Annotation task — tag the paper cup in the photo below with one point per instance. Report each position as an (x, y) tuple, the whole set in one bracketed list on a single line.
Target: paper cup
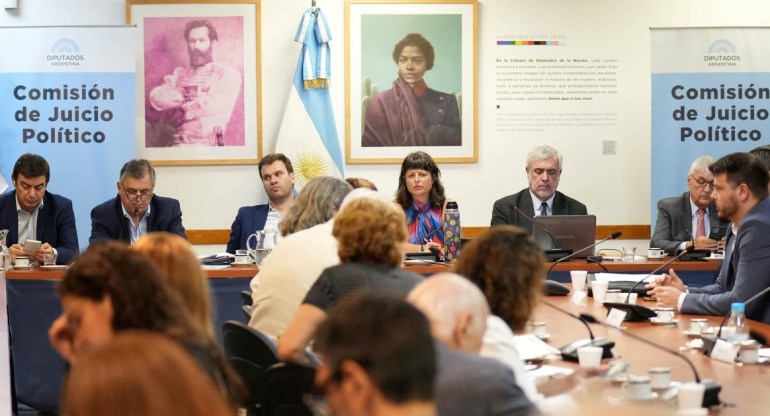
[(599, 290), (578, 279), (590, 357)]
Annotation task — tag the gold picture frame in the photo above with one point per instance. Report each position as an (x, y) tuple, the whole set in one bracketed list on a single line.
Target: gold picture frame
[(199, 99), (383, 122)]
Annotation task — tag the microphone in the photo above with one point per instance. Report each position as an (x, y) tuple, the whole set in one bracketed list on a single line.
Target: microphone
[(553, 253), (613, 236), (710, 340), (428, 238), (694, 254), (569, 351), (711, 395), (638, 313)]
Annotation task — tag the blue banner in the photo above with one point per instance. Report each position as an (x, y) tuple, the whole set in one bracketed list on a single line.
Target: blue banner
[(69, 95)]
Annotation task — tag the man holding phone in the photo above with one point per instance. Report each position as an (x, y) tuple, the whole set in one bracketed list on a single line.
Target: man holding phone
[(690, 220), (38, 222)]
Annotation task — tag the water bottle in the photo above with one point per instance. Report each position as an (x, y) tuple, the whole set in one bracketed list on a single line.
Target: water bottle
[(452, 232), (737, 328)]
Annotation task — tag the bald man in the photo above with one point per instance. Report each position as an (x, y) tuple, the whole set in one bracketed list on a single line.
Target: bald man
[(467, 384)]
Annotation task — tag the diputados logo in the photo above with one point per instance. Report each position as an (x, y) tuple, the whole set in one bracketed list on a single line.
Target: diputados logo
[(722, 52), (65, 52)]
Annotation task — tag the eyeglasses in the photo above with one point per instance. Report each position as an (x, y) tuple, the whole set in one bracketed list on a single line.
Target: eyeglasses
[(134, 195), (702, 183)]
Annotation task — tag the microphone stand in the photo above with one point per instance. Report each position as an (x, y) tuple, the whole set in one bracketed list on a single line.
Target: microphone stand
[(710, 340), (569, 351), (711, 394), (551, 254), (638, 313), (563, 259)]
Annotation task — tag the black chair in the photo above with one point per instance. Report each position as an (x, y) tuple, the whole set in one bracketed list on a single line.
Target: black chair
[(250, 353), (285, 385), (246, 297)]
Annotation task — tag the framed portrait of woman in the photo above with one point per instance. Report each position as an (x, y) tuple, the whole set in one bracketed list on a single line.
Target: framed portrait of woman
[(411, 80)]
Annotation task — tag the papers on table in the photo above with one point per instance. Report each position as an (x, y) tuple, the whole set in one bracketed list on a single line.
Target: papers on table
[(221, 259), (531, 347), (623, 277), (547, 372)]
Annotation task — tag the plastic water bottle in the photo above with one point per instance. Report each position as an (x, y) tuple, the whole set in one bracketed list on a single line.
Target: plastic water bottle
[(737, 327), (452, 232)]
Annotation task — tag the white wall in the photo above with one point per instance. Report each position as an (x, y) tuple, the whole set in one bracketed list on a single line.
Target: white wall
[(615, 188)]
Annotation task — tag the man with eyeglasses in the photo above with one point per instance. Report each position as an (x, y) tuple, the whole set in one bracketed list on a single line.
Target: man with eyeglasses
[(30, 212), (686, 221), (740, 193), (136, 211)]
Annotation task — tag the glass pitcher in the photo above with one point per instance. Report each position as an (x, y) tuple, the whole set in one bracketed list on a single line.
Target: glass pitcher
[(264, 242), (5, 255)]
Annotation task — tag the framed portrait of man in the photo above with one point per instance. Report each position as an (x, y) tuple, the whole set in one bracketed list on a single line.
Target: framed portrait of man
[(411, 80), (198, 79)]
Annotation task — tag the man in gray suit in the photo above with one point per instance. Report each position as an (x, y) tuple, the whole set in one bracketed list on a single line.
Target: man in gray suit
[(466, 384), (740, 193), (686, 221), (544, 166)]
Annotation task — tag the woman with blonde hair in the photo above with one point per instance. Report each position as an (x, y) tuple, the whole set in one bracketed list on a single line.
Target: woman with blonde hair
[(182, 272), (370, 234), (141, 373)]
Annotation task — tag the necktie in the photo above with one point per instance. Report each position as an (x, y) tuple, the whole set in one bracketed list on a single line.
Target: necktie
[(544, 209), (701, 223)]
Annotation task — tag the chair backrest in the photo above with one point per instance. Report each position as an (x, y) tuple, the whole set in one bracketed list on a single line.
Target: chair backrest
[(251, 353), (285, 385)]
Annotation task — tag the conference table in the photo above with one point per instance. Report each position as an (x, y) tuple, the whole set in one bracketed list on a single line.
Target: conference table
[(33, 306), (745, 387)]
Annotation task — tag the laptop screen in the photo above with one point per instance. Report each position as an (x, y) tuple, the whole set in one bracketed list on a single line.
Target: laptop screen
[(571, 232)]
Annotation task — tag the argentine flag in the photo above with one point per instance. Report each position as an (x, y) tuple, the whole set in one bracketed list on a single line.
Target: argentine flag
[(308, 133)]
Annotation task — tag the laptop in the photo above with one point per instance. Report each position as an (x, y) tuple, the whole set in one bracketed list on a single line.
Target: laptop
[(571, 232)]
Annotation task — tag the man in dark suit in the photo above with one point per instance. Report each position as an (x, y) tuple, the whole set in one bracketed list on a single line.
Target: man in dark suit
[(686, 221), (278, 180), (467, 384), (136, 211), (30, 212), (544, 165), (740, 193)]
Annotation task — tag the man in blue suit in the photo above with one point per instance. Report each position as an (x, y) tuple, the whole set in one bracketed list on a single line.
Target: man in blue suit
[(740, 193), (136, 210), (30, 212), (278, 180)]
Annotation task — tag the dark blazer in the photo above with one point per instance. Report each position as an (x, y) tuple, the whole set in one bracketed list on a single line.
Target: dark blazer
[(108, 222), (248, 220), (55, 224), (503, 213), (745, 271), (469, 385), (674, 222)]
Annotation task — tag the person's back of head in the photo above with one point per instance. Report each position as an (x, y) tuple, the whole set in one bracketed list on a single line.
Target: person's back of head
[(377, 349), (140, 373), (508, 266), (182, 272), (315, 204), (763, 154), (456, 309), (369, 229)]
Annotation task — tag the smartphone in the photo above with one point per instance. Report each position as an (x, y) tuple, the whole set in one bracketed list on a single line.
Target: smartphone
[(718, 232), (31, 245)]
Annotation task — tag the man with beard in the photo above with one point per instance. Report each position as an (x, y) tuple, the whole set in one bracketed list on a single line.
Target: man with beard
[(740, 193), (685, 221), (200, 98), (278, 180), (544, 165), (136, 210)]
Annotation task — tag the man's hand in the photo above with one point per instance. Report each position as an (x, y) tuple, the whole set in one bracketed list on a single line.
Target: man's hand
[(705, 243), (17, 250), (60, 337), (43, 249), (667, 296), (667, 280)]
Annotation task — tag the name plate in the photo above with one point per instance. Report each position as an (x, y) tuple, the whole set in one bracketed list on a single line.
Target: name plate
[(725, 351), (615, 317)]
